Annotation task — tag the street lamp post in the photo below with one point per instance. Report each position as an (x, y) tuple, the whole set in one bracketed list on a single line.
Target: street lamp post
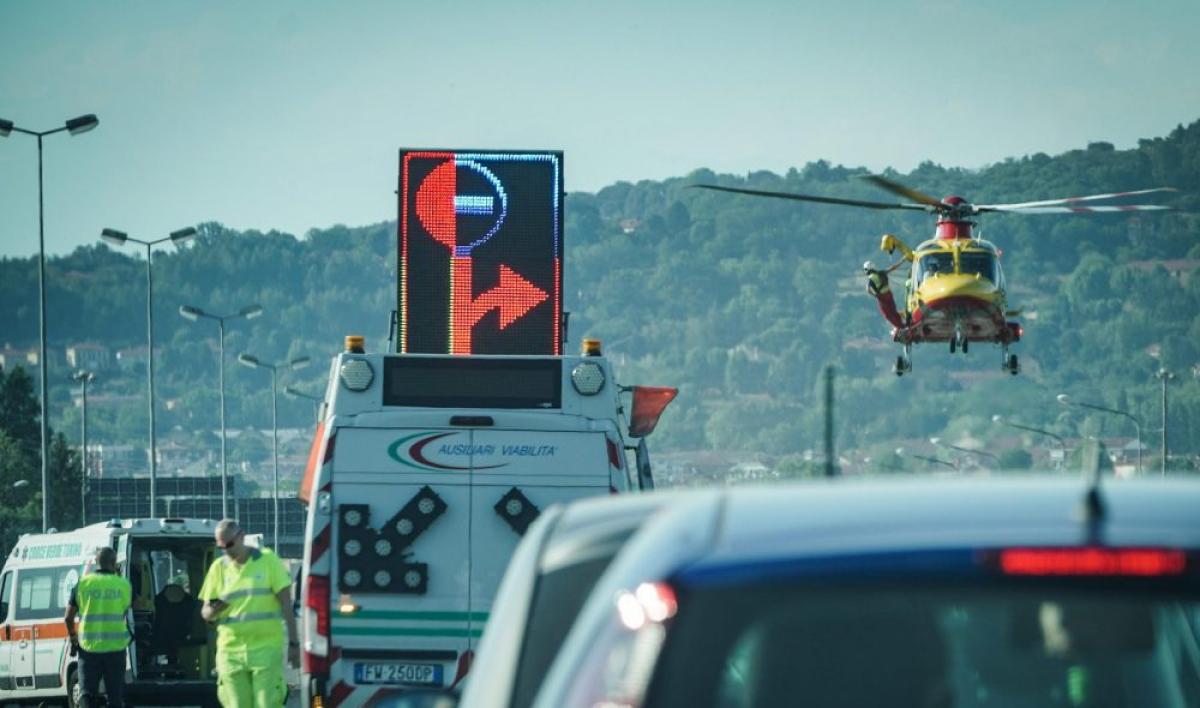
[(253, 363), (1164, 376), (75, 126), (84, 378), (967, 450), (194, 314), (1061, 443), (297, 393), (120, 238), (1137, 424)]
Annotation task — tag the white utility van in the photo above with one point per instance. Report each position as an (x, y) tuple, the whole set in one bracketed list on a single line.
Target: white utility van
[(425, 472), (171, 657)]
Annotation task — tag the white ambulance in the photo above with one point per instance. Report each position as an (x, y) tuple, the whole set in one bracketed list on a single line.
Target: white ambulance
[(172, 654), (424, 474)]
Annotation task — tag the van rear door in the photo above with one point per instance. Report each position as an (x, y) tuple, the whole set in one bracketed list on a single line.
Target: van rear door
[(400, 558), (516, 474)]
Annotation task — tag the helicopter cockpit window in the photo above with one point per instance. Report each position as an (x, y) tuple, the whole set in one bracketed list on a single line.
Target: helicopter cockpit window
[(932, 264), (982, 263)]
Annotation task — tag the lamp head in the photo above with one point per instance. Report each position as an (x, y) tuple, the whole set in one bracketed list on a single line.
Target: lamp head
[(934, 441), (251, 312), (6, 127), (291, 391), (997, 418), (1064, 399), (116, 238), (299, 363), (188, 312), (82, 124), (182, 236), (248, 360)]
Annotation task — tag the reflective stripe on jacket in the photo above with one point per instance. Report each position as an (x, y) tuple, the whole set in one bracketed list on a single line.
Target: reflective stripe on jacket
[(103, 599)]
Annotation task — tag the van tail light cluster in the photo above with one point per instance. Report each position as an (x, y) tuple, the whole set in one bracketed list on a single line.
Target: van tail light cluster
[(316, 625), (1132, 562)]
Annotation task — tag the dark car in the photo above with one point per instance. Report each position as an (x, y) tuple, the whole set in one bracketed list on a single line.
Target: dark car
[(935, 592)]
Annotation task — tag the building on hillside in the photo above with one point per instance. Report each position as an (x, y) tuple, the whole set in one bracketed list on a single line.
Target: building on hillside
[(131, 358), (90, 356), (10, 358)]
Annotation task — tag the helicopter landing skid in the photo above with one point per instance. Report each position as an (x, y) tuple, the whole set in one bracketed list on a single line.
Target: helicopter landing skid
[(959, 340), (1010, 362), (904, 361)]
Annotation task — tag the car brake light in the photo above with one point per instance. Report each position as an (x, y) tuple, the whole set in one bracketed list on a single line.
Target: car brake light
[(316, 625), (1092, 561)]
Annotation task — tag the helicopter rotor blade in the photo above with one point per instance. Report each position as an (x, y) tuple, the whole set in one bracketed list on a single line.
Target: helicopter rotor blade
[(1076, 209), (897, 188), (1073, 200), (811, 198)]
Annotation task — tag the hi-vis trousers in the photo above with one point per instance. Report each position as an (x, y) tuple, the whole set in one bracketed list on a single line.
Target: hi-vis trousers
[(251, 678)]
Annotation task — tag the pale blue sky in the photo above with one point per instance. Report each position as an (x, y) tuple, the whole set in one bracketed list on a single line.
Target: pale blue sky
[(288, 115)]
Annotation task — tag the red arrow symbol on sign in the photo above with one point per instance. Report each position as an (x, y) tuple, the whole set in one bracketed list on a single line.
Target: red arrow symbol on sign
[(514, 296)]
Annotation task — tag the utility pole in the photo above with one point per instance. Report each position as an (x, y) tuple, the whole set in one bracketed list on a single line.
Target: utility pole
[(84, 378), (830, 466), (1164, 376)]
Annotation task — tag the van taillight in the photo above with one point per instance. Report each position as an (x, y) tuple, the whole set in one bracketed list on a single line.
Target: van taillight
[(614, 454), (316, 625)]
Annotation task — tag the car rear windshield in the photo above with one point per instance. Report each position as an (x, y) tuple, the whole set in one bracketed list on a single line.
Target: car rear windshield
[(906, 646)]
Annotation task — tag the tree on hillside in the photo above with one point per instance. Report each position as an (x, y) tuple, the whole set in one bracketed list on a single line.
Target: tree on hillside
[(19, 409), (20, 461)]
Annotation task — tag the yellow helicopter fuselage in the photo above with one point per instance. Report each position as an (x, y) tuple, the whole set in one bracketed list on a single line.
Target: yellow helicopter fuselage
[(955, 290)]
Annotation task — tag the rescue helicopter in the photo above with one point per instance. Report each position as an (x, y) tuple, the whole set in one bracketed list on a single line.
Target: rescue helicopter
[(956, 291)]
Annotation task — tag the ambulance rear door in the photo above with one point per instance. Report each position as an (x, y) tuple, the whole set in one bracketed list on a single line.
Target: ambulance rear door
[(8, 641), (516, 473), (400, 530)]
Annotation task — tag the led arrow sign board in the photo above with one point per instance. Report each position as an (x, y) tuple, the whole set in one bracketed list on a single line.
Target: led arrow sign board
[(480, 252)]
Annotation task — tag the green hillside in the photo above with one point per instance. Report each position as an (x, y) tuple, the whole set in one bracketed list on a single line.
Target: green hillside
[(741, 303)]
